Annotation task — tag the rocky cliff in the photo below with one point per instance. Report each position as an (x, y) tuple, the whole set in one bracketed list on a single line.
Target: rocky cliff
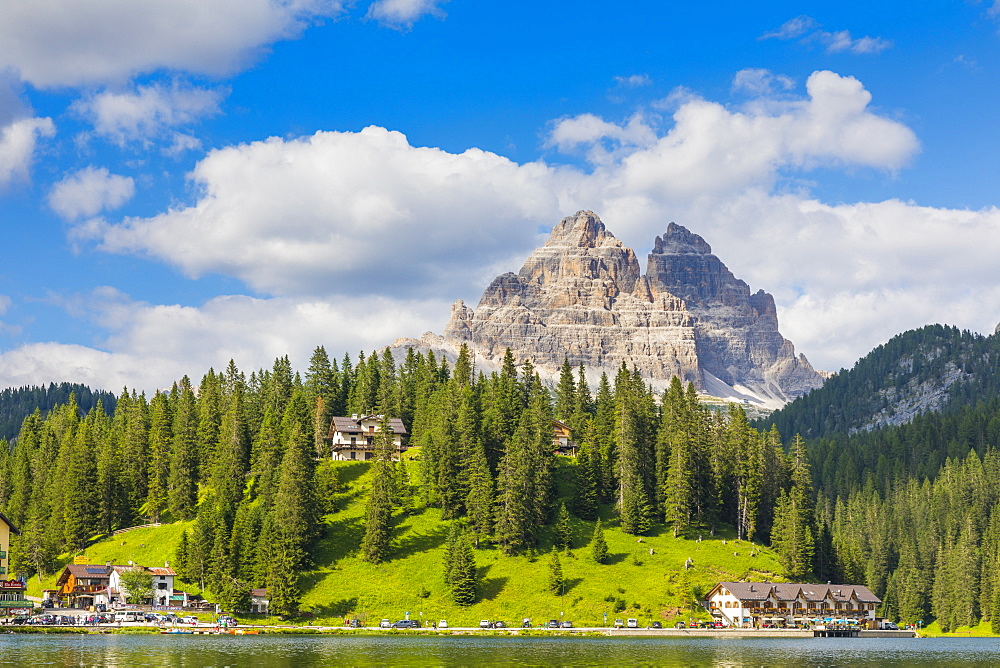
[(583, 297)]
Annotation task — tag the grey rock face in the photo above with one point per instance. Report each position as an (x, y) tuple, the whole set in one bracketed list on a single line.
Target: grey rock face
[(582, 296)]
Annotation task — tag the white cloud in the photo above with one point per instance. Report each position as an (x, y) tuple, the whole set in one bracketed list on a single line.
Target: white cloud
[(840, 41), (404, 13), (792, 28), (317, 215), (837, 41), (758, 81), (634, 81), (603, 140), (90, 191), (342, 212), (17, 146), (333, 219), (58, 43), (712, 149), (148, 113), (152, 346)]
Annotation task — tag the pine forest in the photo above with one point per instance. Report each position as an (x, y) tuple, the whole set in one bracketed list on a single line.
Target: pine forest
[(911, 511)]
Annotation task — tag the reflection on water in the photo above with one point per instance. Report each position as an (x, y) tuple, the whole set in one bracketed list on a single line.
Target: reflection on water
[(279, 651)]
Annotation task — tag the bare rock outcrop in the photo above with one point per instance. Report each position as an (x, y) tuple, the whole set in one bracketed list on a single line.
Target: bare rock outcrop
[(583, 297)]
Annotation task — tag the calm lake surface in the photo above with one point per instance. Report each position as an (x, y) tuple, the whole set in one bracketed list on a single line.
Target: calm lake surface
[(266, 651)]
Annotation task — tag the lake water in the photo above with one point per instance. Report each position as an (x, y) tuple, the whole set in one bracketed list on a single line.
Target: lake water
[(274, 651)]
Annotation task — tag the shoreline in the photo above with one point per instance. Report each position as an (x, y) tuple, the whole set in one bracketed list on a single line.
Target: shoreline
[(371, 631)]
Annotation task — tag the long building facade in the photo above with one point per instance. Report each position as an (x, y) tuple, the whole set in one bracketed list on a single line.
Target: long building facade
[(755, 604)]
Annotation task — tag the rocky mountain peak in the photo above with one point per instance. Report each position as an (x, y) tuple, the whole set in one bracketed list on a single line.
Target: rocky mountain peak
[(584, 229), (678, 240), (582, 297)]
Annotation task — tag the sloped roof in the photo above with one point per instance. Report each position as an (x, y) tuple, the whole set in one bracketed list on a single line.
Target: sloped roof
[(351, 425), (789, 591), (90, 571), (13, 529)]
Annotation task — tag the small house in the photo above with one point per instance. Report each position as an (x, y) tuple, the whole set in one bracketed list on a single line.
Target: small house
[(355, 438)]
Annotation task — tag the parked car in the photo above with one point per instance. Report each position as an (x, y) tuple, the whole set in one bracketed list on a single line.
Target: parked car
[(485, 624), (553, 623), (656, 625), (680, 625), (190, 619), (406, 624), (632, 623), (384, 624), (526, 623), (567, 625), (499, 625), (443, 624)]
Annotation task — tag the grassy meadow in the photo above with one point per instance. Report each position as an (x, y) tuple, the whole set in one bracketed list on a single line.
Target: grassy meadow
[(645, 578)]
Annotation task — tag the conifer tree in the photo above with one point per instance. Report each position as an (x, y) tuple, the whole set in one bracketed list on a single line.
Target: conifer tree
[(159, 456), (598, 545), (181, 479), (793, 535), (464, 589), (282, 584), (378, 515), (587, 482), (566, 397), (556, 579), (479, 502), (564, 529), (460, 567)]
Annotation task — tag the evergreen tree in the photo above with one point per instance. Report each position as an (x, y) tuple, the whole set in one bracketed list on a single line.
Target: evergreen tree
[(793, 534), (598, 546), (182, 477), (587, 482), (378, 515), (566, 397), (479, 502), (282, 584), (160, 438), (564, 529), (556, 580)]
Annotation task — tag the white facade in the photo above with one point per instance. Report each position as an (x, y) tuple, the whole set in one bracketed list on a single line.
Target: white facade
[(759, 603), (163, 585), (354, 438)]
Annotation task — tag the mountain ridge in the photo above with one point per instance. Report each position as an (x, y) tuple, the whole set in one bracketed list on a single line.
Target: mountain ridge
[(583, 297)]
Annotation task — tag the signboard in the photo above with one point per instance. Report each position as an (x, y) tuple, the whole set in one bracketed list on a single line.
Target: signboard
[(11, 584), (20, 611), (81, 559)]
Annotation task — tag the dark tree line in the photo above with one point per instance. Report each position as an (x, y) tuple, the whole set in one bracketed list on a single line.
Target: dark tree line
[(18, 403)]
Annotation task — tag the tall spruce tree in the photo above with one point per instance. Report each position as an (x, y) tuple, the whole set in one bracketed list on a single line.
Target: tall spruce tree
[(598, 545), (378, 515)]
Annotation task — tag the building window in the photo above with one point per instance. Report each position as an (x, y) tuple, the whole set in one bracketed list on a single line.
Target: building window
[(354, 455)]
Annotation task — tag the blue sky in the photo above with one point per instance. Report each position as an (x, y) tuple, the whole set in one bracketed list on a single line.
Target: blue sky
[(187, 181)]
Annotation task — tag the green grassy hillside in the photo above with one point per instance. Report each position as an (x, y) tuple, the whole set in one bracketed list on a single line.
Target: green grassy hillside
[(646, 578)]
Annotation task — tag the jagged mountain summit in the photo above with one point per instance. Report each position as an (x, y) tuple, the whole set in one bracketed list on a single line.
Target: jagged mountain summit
[(583, 297)]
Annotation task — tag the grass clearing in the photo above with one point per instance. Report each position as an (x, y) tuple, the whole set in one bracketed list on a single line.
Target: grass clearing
[(645, 578)]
